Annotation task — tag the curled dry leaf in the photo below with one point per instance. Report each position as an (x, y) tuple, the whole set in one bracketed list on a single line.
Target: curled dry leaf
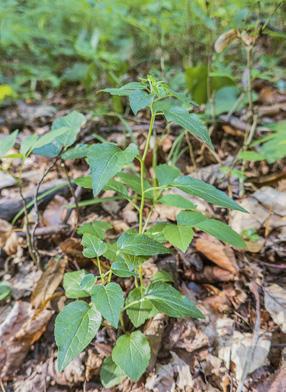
[(185, 335), (72, 248), (22, 327), (154, 331), (8, 238), (225, 39), (175, 376), (266, 207), (222, 255), (55, 212), (48, 282), (275, 304), (240, 352), (25, 280), (279, 382), (211, 275)]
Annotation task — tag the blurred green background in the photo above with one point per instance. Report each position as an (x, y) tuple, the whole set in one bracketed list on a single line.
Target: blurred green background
[(50, 44)]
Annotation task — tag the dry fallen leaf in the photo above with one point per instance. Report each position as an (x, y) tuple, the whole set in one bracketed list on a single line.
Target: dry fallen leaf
[(225, 39), (187, 336), (211, 275), (239, 351), (275, 304), (266, 207), (8, 238), (55, 212), (24, 281), (48, 282), (175, 376), (72, 248), (154, 330), (222, 255), (22, 327)]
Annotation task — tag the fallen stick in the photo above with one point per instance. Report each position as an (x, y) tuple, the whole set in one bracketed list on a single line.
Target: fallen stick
[(9, 207)]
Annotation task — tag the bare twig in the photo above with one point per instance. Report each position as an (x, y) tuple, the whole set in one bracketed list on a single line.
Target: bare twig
[(75, 194), (36, 206), (29, 237)]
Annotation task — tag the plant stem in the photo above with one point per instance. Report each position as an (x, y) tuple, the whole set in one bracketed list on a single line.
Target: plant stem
[(100, 270), (142, 170), (249, 52)]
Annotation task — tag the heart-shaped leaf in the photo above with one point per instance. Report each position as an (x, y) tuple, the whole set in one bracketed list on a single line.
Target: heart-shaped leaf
[(132, 354), (75, 327)]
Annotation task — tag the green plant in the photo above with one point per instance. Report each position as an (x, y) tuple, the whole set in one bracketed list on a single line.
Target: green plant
[(79, 321), (100, 297)]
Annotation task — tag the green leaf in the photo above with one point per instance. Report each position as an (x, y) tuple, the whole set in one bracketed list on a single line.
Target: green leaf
[(97, 228), (84, 182), (122, 269), (63, 134), (125, 90), (132, 354), (140, 245), (93, 247), (177, 201), (87, 283), (156, 232), (133, 181), (140, 311), (48, 144), (190, 218), (139, 99), (7, 142), (179, 236), (106, 160), (75, 327), (78, 152), (116, 186), (72, 284), (168, 300), (251, 156), (166, 174), (206, 191), (5, 290), (162, 276), (109, 300), (111, 374), (28, 144), (222, 232), (191, 122), (73, 122)]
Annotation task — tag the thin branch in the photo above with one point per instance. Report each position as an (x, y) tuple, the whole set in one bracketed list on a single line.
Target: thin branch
[(36, 206)]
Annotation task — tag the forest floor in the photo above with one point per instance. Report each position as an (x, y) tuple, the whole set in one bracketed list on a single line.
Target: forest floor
[(241, 344)]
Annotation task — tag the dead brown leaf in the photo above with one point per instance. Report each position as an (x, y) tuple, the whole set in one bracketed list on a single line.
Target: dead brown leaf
[(48, 282), (222, 255), (8, 238), (72, 248), (154, 330), (22, 327), (185, 335), (225, 39), (275, 304), (55, 212), (211, 275), (174, 376)]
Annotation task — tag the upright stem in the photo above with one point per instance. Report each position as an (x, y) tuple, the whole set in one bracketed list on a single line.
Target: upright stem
[(249, 51), (100, 270), (142, 171)]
